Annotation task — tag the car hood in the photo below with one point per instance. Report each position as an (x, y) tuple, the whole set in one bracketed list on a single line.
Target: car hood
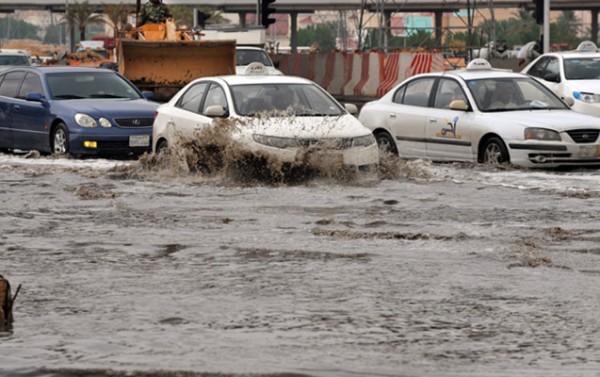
[(559, 120), (304, 127), (110, 107), (589, 86)]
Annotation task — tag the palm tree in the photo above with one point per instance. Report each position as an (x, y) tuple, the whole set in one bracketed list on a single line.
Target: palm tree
[(81, 15), (184, 15), (116, 15)]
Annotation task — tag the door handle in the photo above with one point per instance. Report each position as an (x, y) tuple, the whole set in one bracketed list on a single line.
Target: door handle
[(16, 107), (432, 120), (392, 115)]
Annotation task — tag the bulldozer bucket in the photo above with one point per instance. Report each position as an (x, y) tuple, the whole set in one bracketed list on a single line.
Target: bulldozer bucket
[(164, 67)]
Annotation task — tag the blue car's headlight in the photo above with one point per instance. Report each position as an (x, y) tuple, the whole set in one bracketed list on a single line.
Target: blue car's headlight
[(541, 134), (587, 97), (85, 120)]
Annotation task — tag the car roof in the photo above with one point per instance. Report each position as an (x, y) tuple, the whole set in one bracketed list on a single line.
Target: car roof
[(262, 79), (481, 69), (61, 69), (585, 49)]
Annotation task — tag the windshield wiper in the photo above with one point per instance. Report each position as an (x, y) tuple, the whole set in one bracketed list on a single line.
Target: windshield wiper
[(68, 96), (105, 96)]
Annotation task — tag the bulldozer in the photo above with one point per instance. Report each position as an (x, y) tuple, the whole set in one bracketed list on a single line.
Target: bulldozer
[(163, 59)]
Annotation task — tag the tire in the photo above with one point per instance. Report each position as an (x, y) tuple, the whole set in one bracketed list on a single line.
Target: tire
[(60, 139), (162, 146), (386, 143), (494, 152)]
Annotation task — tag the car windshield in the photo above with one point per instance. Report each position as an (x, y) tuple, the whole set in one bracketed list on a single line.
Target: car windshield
[(284, 100), (245, 57), (14, 60), (582, 68), (512, 94), (79, 85)]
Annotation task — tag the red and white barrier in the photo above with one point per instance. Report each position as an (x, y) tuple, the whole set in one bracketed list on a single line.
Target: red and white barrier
[(360, 74)]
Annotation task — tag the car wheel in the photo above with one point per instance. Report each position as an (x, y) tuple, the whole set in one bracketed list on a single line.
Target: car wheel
[(386, 143), (494, 152), (162, 146), (60, 139)]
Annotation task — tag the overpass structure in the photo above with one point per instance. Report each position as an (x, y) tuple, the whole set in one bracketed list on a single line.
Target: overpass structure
[(384, 8)]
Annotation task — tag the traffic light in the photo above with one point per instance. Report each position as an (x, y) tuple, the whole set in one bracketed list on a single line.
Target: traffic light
[(538, 11), (266, 11)]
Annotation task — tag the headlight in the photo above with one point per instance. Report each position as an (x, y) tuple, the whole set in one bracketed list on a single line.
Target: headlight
[(277, 142), (85, 120), (541, 134), (363, 141), (105, 123), (587, 97)]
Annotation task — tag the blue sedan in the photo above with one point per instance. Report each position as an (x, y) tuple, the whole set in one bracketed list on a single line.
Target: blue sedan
[(74, 110)]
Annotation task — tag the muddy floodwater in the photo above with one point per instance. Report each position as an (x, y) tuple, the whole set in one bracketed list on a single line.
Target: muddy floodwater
[(135, 268)]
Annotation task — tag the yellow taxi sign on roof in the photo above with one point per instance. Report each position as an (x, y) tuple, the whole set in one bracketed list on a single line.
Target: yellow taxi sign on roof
[(256, 69), (478, 64)]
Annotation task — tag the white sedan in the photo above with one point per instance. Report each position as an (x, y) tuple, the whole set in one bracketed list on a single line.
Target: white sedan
[(481, 114), (282, 116), (571, 75)]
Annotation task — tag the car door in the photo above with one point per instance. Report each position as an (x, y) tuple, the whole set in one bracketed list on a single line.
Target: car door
[(9, 87), (30, 120), (448, 132), (551, 76), (184, 117), (407, 115)]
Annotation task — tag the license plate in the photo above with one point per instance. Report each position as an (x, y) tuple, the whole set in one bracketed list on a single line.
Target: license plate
[(139, 140), (589, 151)]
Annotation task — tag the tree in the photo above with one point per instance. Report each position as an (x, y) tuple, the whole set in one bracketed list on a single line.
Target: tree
[(322, 34), (566, 29), (116, 15), (17, 29), (184, 15), (81, 15)]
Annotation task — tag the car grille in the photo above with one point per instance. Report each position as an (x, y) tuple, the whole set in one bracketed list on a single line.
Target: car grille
[(327, 144), (584, 136), (134, 122)]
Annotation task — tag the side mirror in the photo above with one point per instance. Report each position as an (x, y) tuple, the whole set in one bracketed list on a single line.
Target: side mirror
[(459, 104), (148, 95), (351, 108), (569, 101), (215, 111), (35, 97), (553, 77)]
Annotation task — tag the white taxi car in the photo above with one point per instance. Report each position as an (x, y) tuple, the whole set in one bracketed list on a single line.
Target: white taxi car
[(481, 114), (279, 115), (246, 55), (571, 74)]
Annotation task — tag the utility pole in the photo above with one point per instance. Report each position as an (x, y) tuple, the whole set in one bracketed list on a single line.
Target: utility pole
[(546, 32)]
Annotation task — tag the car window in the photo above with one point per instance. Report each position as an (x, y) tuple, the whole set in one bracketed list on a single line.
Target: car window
[(511, 94), (537, 69), (192, 98), (553, 68), (215, 97), (399, 95), (284, 100), (582, 68), (245, 57), (14, 60), (417, 92), (448, 91), (11, 84), (31, 84), (78, 85)]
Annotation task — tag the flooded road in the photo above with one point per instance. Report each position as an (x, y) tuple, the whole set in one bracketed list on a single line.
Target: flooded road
[(128, 269)]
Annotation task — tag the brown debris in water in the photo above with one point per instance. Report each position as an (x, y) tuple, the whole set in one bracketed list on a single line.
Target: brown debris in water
[(381, 235), (257, 253)]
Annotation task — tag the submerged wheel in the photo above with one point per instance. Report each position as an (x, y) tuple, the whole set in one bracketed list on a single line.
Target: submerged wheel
[(386, 143), (162, 146), (494, 152), (60, 139)]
